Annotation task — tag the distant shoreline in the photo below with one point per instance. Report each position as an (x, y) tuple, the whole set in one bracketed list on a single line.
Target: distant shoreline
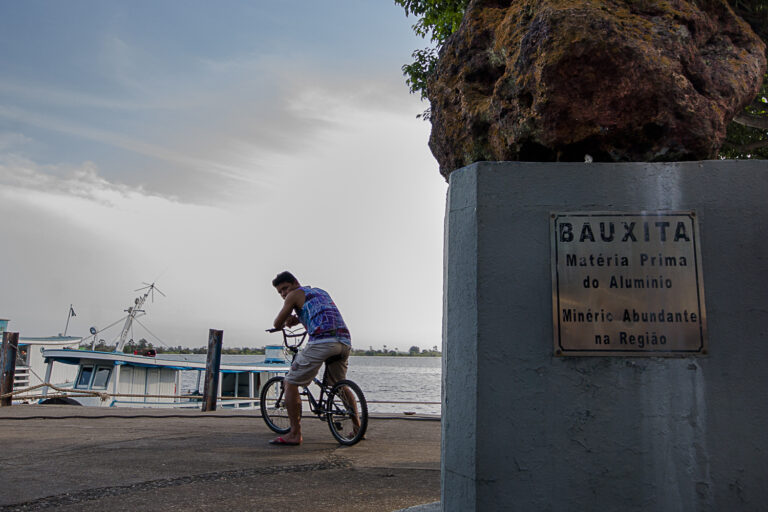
[(142, 348), (395, 354)]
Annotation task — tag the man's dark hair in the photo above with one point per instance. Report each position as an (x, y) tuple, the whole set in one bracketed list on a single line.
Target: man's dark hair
[(284, 277)]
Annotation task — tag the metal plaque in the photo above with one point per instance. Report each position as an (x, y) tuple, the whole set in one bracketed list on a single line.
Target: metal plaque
[(627, 284)]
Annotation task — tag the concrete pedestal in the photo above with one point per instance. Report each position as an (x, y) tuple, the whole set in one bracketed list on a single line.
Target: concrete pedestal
[(525, 430)]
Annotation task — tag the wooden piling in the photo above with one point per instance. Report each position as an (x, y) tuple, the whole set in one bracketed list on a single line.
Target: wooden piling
[(212, 365), (9, 349)]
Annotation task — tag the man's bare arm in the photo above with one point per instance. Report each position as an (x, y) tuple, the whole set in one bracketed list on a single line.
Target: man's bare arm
[(284, 317)]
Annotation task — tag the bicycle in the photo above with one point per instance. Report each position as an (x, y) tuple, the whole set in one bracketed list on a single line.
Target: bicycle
[(342, 405)]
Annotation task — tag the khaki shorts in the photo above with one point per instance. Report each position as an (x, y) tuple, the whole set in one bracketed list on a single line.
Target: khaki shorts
[(308, 363)]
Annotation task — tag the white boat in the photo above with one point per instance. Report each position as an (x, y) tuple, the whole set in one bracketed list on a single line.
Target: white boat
[(117, 379)]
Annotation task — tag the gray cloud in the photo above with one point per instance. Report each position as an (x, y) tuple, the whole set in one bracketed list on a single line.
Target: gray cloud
[(219, 146)]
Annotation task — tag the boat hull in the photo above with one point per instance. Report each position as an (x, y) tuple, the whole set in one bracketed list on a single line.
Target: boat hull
[(114, 379)]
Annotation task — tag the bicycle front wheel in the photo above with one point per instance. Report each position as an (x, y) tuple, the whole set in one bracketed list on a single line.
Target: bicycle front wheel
[(347, 412), (272, 404)]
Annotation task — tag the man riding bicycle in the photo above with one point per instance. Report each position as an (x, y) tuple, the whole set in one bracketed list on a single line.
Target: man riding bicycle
[(328, 337)]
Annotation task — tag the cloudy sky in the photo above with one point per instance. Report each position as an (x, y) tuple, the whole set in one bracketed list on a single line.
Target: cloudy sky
[(208, 146)]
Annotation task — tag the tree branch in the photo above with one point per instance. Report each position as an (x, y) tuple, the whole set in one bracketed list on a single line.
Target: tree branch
[(743, 119), (746, 148)]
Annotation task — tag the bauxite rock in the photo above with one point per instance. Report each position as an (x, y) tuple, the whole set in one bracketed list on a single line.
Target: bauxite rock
[(555, 80)]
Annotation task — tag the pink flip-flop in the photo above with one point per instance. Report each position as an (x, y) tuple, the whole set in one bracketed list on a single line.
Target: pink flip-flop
[(282, 442)]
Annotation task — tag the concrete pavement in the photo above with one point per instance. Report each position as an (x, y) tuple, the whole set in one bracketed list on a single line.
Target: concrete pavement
[(75, 458)]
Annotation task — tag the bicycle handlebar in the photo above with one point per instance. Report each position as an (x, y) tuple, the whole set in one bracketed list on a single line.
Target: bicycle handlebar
[(287, 333)]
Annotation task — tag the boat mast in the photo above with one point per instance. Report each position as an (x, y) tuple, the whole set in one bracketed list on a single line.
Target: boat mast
[(132, 312)]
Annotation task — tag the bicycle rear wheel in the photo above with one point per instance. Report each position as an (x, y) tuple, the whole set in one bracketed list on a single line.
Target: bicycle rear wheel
[(272, 404), (347, 412)]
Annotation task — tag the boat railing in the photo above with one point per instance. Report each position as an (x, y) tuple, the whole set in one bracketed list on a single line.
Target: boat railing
[(21, 377)]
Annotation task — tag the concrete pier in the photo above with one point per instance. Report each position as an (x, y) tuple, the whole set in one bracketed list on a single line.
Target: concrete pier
[(78, 458)]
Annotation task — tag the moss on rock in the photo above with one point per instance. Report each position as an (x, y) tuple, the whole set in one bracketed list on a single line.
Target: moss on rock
[(622, 80)]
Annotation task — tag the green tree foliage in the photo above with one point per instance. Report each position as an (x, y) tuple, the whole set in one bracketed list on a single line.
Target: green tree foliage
[(143, 346), (100, 346), (437, 19), (413, 352), (748, 133)]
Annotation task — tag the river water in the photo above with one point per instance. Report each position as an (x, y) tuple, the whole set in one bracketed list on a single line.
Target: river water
[(382, 378), (411, 379)]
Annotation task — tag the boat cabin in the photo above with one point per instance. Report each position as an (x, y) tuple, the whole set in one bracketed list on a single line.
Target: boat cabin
[(116, 379)]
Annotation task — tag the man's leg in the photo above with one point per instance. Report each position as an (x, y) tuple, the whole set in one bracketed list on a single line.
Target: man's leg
[(338, 371), (303, 369), (293, 408), (352, 403)]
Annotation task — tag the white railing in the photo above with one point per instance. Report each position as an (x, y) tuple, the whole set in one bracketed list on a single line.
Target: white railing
[(21, 377)]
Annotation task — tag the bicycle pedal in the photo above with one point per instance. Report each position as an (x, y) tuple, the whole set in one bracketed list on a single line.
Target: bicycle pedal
[(337, 424)]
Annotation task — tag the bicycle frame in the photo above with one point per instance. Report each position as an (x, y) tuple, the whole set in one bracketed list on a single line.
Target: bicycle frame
[(317, 407), (341, 404)]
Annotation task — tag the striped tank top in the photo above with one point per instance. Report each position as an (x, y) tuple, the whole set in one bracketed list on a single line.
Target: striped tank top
[(322, 318)]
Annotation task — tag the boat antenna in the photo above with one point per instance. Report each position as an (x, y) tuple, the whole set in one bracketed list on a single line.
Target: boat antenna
[(132, 311), (70, 314), (151, 289)]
